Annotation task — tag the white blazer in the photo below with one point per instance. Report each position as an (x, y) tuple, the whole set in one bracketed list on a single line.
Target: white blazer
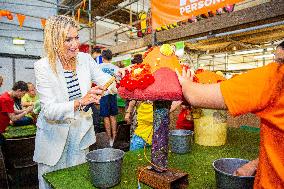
[(57, 112)]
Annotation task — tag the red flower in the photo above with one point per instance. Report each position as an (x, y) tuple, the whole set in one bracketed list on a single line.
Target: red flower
[(149, 78), (124, 80), (140, 77), (198, 71), (146, 81), (195, 79), (132, 85), (142, 84)]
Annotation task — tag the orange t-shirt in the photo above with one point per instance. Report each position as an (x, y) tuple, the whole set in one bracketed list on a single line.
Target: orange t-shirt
[(259, 92)]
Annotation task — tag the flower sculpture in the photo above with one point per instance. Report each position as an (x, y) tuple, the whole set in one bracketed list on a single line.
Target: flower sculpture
[(155, 79)]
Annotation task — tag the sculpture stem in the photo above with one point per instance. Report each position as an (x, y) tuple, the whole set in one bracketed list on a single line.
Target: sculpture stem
[(159, 156)]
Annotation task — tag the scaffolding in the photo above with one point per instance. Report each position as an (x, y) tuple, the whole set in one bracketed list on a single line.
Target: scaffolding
[(92, 21)]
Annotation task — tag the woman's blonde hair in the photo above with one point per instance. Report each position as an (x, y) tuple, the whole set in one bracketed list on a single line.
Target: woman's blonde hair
[(55, 33)]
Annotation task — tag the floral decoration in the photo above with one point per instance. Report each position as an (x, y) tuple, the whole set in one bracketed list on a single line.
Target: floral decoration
[(147, 52), (167, 50), (140, 77), (198, 71)]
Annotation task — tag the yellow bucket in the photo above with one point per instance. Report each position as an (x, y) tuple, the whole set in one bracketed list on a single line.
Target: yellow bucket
[(210, 127)]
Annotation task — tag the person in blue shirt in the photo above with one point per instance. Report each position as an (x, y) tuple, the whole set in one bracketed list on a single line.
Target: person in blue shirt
[(108, 103), (96, 54)]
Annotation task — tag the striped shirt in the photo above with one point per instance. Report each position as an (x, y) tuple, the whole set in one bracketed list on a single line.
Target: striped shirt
[(73, 86)]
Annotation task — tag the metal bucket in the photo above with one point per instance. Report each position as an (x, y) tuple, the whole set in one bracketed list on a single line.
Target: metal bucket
[(105, 166), (181, 141), (224, 169)]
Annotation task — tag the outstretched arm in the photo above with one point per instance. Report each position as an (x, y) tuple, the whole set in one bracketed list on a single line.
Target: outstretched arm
[(201, 95)]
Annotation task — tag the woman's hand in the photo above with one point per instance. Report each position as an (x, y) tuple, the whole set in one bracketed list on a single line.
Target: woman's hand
[(93, 96)]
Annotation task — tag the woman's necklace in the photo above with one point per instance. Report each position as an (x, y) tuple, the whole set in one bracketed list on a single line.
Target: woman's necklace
[(71, 66)]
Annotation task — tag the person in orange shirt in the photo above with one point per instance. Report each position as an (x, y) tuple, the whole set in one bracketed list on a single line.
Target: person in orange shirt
[(260, 91)]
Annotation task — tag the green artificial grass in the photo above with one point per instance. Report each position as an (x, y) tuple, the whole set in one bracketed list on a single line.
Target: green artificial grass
[(198, 163), (20, 131), (30, 130)]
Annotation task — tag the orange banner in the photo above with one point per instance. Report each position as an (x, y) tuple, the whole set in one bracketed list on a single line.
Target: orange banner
[(43, 21), (21, 19), (165, 12)]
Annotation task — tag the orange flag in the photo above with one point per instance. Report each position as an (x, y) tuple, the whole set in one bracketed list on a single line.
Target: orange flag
[(84, 4), (43, 22), (78, 12), (21, 19), (165, 12)]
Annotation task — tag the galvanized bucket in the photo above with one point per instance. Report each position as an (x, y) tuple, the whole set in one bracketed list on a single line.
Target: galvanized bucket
[(181, 141), (224, 169), (105, 166)]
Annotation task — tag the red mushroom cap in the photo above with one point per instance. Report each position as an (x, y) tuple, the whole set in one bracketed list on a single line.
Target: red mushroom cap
[(165, 87)]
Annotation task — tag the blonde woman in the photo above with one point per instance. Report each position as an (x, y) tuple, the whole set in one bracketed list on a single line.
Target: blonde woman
[(63, 82)]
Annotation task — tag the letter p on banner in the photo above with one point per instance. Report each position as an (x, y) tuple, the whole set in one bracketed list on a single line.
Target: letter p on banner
[(165, 12)]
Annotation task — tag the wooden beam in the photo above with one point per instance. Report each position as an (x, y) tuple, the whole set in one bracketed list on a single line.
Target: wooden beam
[(245, 35), (253, 16), (241, 41), (135, 44)]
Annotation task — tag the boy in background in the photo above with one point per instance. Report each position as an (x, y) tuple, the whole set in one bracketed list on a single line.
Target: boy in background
[(7, 111), (29, 99), (96, 54), (108, 103)]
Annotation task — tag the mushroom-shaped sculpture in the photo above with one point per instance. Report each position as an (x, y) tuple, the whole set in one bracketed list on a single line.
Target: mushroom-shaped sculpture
[(155, 79)]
